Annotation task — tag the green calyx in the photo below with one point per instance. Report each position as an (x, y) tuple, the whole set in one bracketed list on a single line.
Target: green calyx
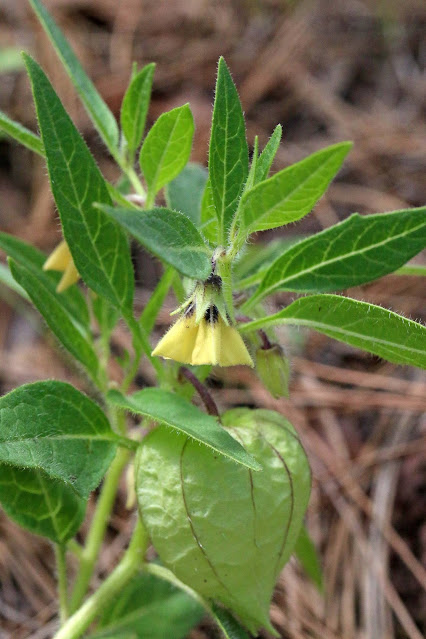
[(206, 297), (222, 529), (273, 370)]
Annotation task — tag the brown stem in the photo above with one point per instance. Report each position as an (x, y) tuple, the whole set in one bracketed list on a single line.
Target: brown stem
[(208, 400), (266, 344)]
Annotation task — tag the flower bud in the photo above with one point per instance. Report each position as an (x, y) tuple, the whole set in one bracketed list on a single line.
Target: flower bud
[(273, 369), (223, 529)]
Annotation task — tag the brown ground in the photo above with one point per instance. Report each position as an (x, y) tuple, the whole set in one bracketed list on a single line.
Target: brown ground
[(328, 71)]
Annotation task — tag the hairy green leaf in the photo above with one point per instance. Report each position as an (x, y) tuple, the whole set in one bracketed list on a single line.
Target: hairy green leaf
[(250, 182), (229, 626), (57, 317), (169, 235), (185, 192), (21, 134), (166, 148), (46, 507), (366, 326), (10, 60), (215, 523), (55, 446), (7, 279), (355, 251), (268, 154), (175, 411), (307, 556), (96, 108), (135, 107), (416, 270), (32, 259), (228, 155), (52, 426), (209, 222), (98, 246), (290, 194), (149, 608), (255, 260)]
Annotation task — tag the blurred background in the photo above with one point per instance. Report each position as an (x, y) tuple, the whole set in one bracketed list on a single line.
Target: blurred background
[(327, 70)]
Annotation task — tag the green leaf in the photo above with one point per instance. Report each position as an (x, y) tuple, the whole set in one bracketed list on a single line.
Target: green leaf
[(250, 182), (209, 222), (56, 317), (117, 196), (228, 155), (169, 235), (21, 134), (56, 443), (149, 608), (185, 192), (357, 250), (215, 524), (96, 108), (53, 426), (417, 270), (291, 193), (307, 556), (371, 328), (6, 278), (175, 411), (43, 506), (229, 626), (268, 154), (32, 259), (98, 246), (10, 60), (166, 148), (135, 107), (255, 260), (106, 315)]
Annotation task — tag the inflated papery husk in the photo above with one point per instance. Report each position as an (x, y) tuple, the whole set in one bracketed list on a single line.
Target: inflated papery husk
[(222, 528)]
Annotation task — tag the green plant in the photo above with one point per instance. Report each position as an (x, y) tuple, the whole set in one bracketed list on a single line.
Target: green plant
[(222, 497)]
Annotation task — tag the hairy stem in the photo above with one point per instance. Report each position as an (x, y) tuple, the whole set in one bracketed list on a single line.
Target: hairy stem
[(208, 400), (98, 526), (131, 562), (61, 567), (225, 271)]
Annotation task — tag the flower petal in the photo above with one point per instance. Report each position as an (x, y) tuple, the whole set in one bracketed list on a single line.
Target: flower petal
[(59, 259), (70, 277), (207, 345), (178, 343), (233, 351)]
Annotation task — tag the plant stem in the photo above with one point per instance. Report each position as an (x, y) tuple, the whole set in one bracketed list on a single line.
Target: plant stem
[(131, 562), (61, 567), (74, 547), (225, 271), (98, 526), (140, 344), (208, 400), (164, 573), (150, 312), (134, 181)]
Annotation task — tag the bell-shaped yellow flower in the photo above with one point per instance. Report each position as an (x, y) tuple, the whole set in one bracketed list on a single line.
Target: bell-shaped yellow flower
[(211, 341), (178, 342), (61, 260)]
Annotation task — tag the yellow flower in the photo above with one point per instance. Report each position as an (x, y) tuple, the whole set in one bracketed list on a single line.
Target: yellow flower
[(211, 341), (61, 260)]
